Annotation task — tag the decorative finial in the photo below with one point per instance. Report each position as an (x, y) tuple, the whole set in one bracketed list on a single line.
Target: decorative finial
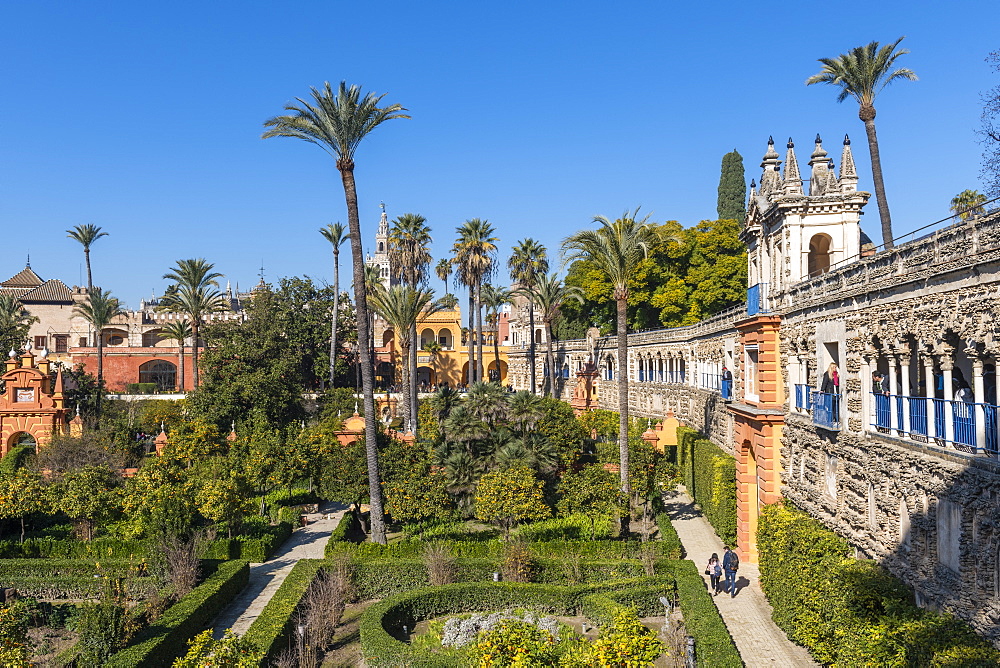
[(355, 406), (753, 184), (847, 140), (818, 140), (161, 424), (29, 260), (233, 428), (45, 352), (382, 205), (78, 410), (790, 144), (770, 140), (12, 353)]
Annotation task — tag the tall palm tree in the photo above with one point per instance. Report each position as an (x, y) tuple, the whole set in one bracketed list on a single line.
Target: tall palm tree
[(99, 310), (178, 330), (494, 297), (410, 254), (529, 260), (443, 271), (616, 249), (862, 73), (968, 204), (15, 321), (336, 234), (86, 235), (197, 296), (474, 250), (549, 294), (337, 122), (401, 306)]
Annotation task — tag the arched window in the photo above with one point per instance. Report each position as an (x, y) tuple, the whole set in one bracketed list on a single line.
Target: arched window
[(819, 254), (381, 247), (161, 372), (426, 336)]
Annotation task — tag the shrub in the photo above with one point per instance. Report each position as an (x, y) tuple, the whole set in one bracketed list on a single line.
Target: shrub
[(710, 477), (517, 564), (625, 642), (509, 497), (849, 612), (256, 550), (164, 640), (53, 548), (713, 644), (230, 651), (440, 563)]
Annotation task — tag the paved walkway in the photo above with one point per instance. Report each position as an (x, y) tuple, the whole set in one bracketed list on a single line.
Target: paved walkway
[(305, 543), (748, 616)]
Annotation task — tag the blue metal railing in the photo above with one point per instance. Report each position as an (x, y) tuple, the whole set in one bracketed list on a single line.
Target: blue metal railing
[(973, 427), (826, 410), (803, 397), (727, 390)]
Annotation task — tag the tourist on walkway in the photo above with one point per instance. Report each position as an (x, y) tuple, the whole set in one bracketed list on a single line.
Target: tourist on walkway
[(730, 564), (714, 571), (831, 380)]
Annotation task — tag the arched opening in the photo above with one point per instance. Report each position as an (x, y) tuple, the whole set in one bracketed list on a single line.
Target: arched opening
[(387, 337), (819, 254), (115, 337), (445, 338), (538, 336), (384, 375), (425, 378), (19, 438), (426, 336), (160, 372), (465, 373), (381, 247), (151, 339), (497, 374)]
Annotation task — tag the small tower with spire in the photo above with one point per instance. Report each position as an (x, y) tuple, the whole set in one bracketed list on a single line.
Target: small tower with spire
[(794, 234), (381, 257)]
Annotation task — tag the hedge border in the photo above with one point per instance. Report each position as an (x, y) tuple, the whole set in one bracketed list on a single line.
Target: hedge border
[(709, 473), (271, 631), (254, 550), (165, 639)]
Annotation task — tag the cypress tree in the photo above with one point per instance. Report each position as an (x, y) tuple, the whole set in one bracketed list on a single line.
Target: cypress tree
[(732, 189)]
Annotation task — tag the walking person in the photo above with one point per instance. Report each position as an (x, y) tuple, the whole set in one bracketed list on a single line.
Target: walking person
[(730, 564), (714, 572)]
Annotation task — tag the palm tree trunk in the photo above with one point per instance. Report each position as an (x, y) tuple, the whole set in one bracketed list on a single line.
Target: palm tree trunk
[(411, 362), (883, 205), (469, 378), (180, 367), (336, 312), (479, 331), (550, 359), (622, 378), (531, 346), (194, 351), (90, 280), (404, 373), (367, 371), (496, 348)]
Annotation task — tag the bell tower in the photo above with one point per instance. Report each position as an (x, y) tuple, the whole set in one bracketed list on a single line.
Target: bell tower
[(381, 259)]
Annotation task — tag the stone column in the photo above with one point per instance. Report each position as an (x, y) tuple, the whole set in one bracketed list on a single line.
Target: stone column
[(947, 366), (893, 390), (979, 392)]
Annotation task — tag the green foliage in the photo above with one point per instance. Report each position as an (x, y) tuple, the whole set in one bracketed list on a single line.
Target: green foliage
[(714, 645), (15, 646), (419, 497), (510, 497), (626, 643), (256, 550), (105, 626), (850, 612), (52, 548), (560, 427), (163, 641), (270, 632), (88, 495), (732, 189), (230, 651), (677, 283), (16, 459), (515, 643), (593, 492), (710, 477)]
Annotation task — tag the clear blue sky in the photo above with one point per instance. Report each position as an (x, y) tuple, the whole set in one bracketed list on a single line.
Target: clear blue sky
[(145, 119)]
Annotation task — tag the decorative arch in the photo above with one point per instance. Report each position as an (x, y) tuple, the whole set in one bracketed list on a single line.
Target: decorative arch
[(446, 339), (426, 336), (161, 372), (819, 254), (387, 337), (492, 371)]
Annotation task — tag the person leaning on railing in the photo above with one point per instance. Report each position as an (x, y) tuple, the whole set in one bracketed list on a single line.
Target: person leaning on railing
[(831, 380)]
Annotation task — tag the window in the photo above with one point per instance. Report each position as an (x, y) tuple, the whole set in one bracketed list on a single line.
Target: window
[(62, 343), (750, 378), (819, 254), (41, 342), (161, 372), (83, 341)]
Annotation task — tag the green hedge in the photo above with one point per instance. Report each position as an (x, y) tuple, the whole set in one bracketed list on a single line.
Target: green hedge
[(382, 622), (164, 640), (593, 550), (713, 645), (710, 477), (256, 550), (15, 459), (59, 588), (22, 568), (272, 629), (54, 548), (851, 612)]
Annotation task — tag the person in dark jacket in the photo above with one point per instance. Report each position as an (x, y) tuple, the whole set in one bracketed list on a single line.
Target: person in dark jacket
[(730, 564)]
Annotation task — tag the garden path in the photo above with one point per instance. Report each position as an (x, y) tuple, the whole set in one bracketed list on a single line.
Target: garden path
[(305, 543), (748, 615)]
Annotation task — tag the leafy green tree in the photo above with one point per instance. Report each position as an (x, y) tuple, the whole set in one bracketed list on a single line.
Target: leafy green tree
[(717, 268), (197, 295), (732, 189), (968, 204), (527, 262), (338, 123), (862, 73), (159, 499), (99, 311), (88, 495), (180, 331), (625, 643), (616, 249), (418, 498), (15, 322), (336, 234), (194, 440), (592, 492), (21, 494), (15, 644), (86, 235), (475, 250), (510, 497), (223, 495)]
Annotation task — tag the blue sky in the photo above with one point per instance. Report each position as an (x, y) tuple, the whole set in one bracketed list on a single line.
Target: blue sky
[(145, 119)]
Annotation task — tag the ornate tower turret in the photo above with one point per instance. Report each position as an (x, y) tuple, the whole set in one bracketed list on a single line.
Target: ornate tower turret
[(823, 179), (381, 258), (793, 179), (848, 174)]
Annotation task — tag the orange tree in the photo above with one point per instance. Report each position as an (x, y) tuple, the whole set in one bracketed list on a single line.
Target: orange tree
[(510, 496)]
